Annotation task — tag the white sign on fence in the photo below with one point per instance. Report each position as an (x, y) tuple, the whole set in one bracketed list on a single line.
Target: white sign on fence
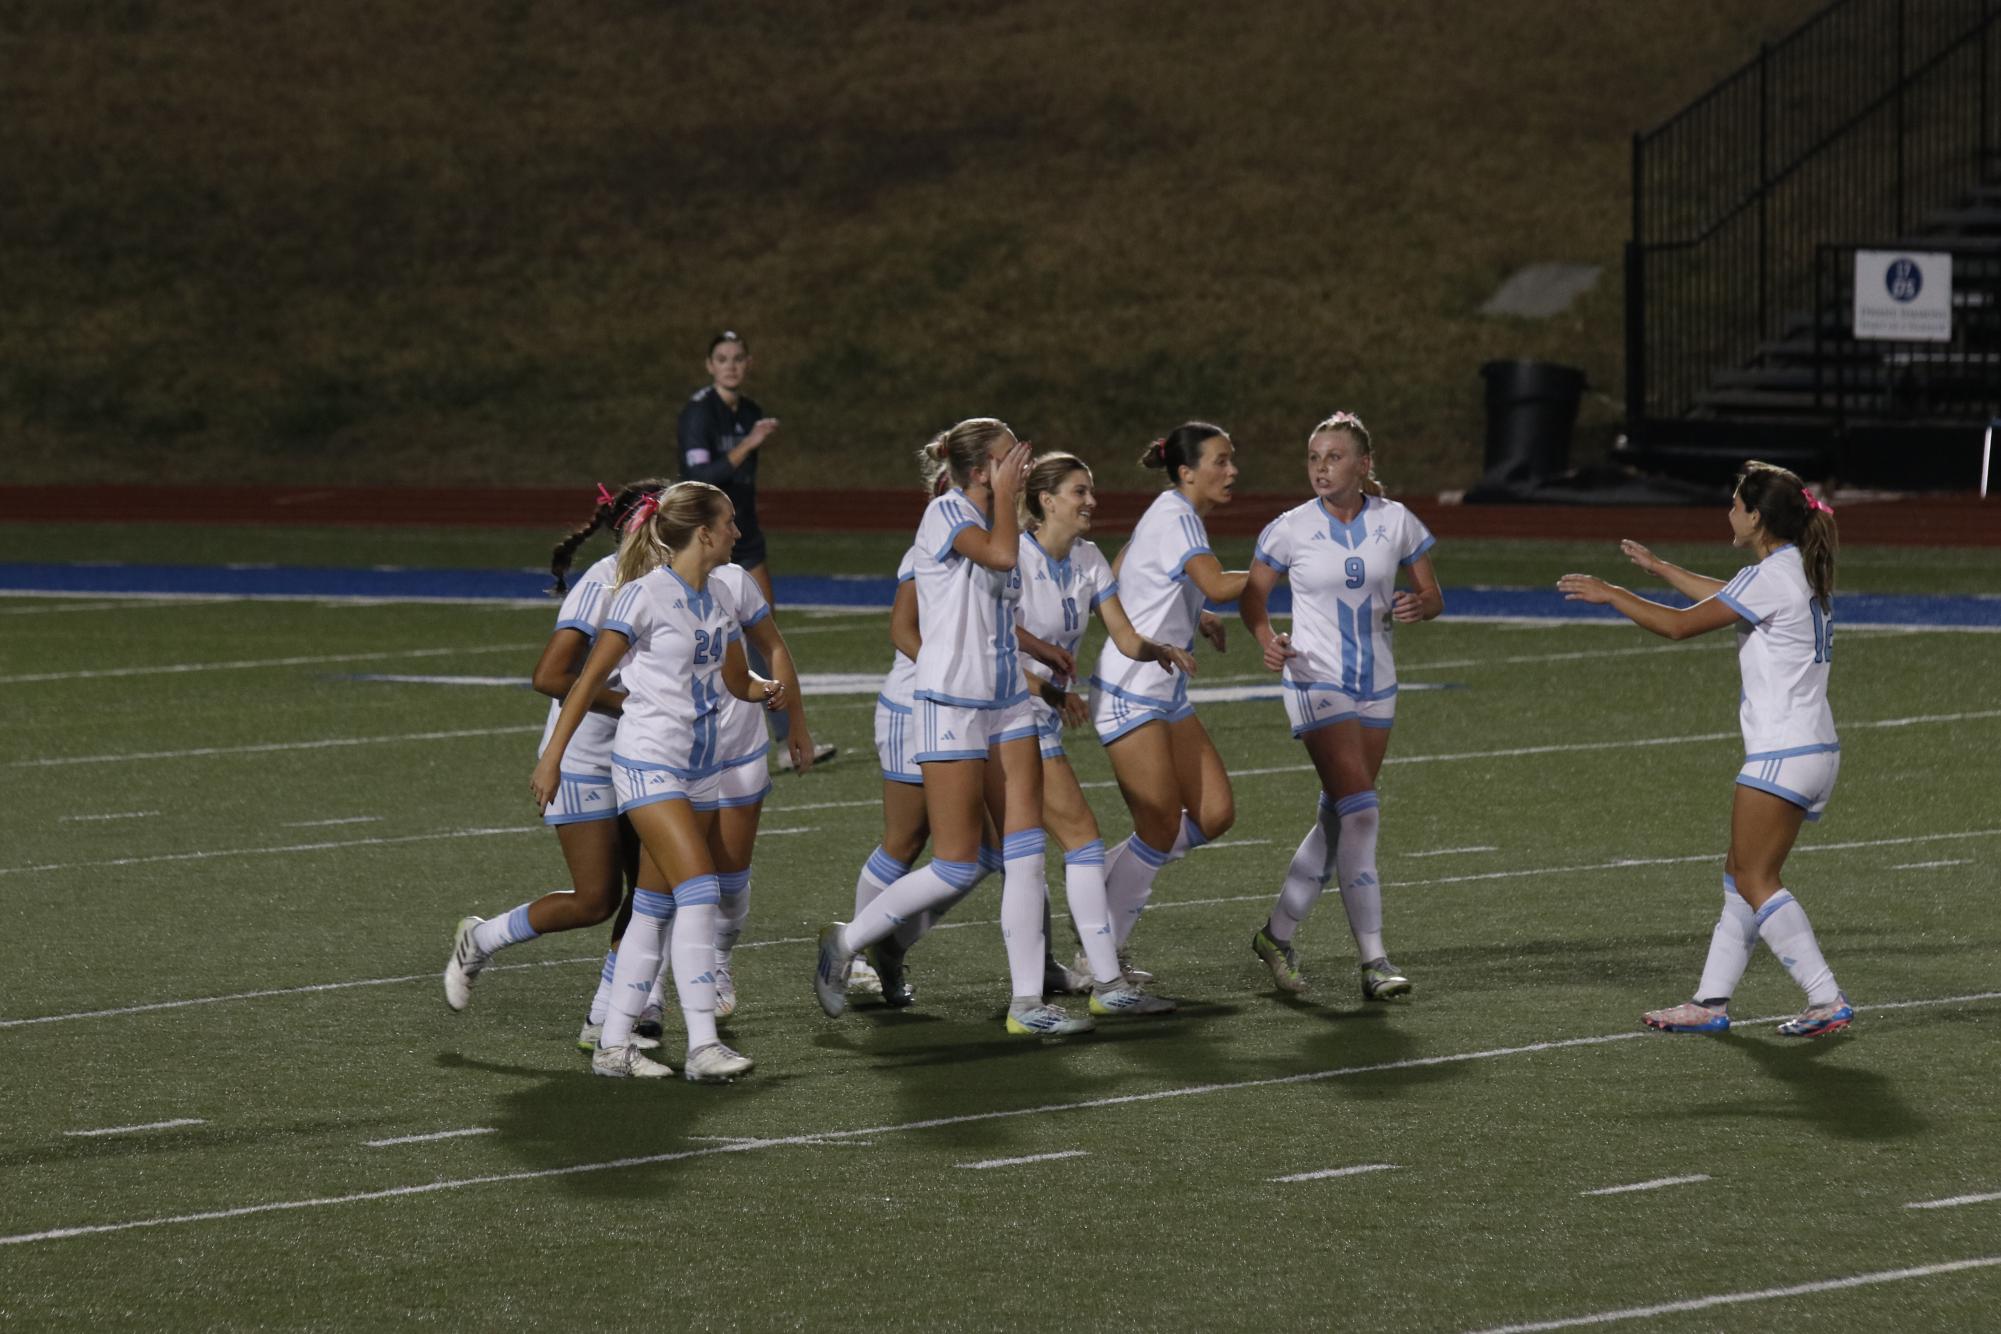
[(1903, 294)]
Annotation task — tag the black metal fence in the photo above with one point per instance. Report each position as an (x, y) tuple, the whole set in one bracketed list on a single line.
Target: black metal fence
[(1869, 117), (1958, 379)]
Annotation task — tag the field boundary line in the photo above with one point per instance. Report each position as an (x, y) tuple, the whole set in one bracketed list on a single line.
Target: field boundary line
[(247, 664), (1327, 1172), (1737, 1298), (1955, 1201), (986, 1163), (271, 747), (931, 1123), (174, 1124), (1623, 863), (1656, 1184), (428, 1138)]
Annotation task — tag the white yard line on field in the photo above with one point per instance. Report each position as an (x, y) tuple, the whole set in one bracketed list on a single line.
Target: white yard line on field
[(108, 815), (1327, 1172), (322, 824), (1448, 852), (246, 664), (1623, 863), (212, 853), (1928, 866), (425, 1139), (273, 747), (1737, 1298), (986, 1163), (905, 1127), (1656, 1184), (150, 1125), (1956, 1201)]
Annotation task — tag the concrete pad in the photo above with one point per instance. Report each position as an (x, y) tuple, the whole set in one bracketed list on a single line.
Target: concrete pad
[(1541, 290)]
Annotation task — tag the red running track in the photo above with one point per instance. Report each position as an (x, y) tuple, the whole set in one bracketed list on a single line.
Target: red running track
[(1919, 520)]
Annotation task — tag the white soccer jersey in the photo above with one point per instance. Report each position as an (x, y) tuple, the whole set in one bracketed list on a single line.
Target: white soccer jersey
[(674, 671), (899, 687), (1784, 652), (1344, 578), (743, 736), (966, 614), (1058, 596), (1159, 598), (589, 751)]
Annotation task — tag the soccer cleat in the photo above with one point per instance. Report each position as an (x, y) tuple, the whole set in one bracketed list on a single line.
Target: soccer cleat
[(1382, 979), (651, 1023), (1688, 1017), (892, 978), (588, 1035), (725, 990), (822, 752), (628, 1062), (713, 1063), (1819, 1021), (1283, 960), (1060, 981), (862, 978), (1045, 1021), (1123, 998), (830, 976), (1081, 966), (464, 965)]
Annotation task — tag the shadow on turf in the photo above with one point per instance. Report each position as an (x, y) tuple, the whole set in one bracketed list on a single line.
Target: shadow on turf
[(1842, 1101)]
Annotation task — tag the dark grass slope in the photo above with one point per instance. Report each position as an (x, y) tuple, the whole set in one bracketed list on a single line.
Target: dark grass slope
[(486, 242)]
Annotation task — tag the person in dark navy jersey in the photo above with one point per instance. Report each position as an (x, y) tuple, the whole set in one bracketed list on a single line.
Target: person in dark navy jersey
[(720, 433)]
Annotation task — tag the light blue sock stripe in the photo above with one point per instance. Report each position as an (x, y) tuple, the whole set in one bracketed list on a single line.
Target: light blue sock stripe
[(959, 875), (610, 967), (1192, 831), (733, 882), (1091, 854), (990, 859), (886, 868), (698, 890), (1357, 801), (647, 903), (1326, 804), (1146, 852), (1026, 843), (1773, 904), (1730, 885), (518, 929)]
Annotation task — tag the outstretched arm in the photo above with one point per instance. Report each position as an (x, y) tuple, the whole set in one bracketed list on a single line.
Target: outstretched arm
[(1136, 645), (1217, 584), (1694, 587), (1667, 622)]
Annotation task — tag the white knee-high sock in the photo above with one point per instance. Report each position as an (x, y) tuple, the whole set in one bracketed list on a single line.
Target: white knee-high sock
[(920, 926), (1130, 871), (1355, 864), (1730, 946), (1783, 925), (926, 887), (601, 1002), (878, 873), (497, 933), (1024, 892), (732, 911), (1090, 912), (638, 964), (1306, 879), (694, 954)]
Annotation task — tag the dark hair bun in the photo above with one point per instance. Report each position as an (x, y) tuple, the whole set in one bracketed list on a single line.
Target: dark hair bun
[(1155, 454)]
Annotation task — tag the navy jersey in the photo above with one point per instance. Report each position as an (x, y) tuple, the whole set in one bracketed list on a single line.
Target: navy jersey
[(707, 431)]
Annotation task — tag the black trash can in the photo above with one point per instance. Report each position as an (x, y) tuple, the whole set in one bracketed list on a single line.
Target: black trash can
[(1531, 412)]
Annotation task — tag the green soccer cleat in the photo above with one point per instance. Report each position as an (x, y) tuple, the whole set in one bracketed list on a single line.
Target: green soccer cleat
[(1381, 980), (1283, 960)]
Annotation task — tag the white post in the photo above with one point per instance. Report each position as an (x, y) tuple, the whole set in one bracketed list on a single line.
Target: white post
[(1987, 456)]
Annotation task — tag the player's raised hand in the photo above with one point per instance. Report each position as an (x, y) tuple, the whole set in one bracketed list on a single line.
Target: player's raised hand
[(771, 692), (1009, 471), (1279, 651), (1584, 588), (760, 433), (1640, 556)]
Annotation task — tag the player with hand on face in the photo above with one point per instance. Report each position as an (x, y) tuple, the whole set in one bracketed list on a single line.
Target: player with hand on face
[(1343, 552), (1782, 608)]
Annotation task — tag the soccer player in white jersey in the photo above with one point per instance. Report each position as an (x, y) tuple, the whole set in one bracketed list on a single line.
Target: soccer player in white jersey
[(1065, 580), (596, 844), (1343, 552), (1782, 608), (976, 738), (1172, 778), (667, 634)]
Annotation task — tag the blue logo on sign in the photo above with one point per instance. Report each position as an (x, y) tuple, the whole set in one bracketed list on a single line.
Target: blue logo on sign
[(1903, 280)]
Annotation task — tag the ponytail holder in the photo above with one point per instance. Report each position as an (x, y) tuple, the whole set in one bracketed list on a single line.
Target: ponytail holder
[(1158, 449), (1814, 502), (605, 497), (649, 504)]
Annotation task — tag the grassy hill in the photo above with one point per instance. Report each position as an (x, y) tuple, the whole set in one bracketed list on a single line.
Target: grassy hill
[(486, 242)]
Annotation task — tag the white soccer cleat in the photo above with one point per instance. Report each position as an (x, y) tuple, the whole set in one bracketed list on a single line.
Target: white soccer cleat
[(628, 1062), (830, 975), (713, 1063), (1046, 1021), (822, 752), (464, 965), (725, 990), (1123, 998), (588, 1035), (863, 980), (1139, 977)]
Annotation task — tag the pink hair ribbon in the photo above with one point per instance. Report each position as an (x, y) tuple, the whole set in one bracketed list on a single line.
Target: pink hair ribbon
[(605, 497), (648, 505), (1814, 502)]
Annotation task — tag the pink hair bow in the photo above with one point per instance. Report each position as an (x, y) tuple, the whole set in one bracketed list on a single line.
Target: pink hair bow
[(1344, 419), (605, 497), (1814, 502), (648, 505)]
